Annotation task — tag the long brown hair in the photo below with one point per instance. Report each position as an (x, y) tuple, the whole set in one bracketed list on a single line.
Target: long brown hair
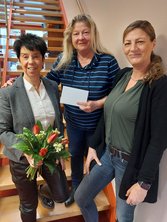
[(155, 69)]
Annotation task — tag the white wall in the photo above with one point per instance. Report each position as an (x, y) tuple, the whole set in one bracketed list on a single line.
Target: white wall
[(111, 18), (71, 8)]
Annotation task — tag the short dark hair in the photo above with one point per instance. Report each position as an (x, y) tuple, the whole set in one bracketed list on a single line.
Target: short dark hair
[(31, 42)]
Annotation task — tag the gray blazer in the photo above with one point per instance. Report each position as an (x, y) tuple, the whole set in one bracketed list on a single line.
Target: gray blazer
[(16, 113)]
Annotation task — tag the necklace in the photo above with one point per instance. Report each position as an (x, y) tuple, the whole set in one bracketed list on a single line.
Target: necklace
[(135, 80)]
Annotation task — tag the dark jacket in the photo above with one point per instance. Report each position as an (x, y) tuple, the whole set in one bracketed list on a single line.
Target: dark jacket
[(150, 138)]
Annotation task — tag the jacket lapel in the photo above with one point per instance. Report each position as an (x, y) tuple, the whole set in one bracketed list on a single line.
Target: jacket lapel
[(53, 93), (24, 101)]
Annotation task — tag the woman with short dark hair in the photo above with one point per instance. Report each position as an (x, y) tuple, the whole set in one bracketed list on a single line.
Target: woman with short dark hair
[(29, 99)]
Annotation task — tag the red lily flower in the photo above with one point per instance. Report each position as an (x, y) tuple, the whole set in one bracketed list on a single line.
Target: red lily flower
[(43, 151), (52, 138), (36, 129)]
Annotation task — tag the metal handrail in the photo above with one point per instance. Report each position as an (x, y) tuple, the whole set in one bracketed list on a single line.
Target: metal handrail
[(80, 6), (5, 63)]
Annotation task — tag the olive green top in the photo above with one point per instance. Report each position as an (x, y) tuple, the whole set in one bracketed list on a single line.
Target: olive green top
[(120, 111)]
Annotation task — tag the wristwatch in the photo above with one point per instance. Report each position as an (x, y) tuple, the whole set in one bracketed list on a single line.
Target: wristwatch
[(145, 186)]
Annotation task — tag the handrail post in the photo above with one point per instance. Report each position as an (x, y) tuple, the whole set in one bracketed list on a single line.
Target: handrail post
[(5, 64)]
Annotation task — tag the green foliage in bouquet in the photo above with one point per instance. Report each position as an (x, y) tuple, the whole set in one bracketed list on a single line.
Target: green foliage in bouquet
[(44, 146)]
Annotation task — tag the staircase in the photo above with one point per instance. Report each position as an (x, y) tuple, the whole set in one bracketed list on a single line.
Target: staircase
[(42, 17)]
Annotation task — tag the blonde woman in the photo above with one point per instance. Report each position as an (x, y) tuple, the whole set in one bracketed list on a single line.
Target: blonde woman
[(86, 65)]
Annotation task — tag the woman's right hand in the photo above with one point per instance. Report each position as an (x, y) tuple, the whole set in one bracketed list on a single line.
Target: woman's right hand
[(92, 155), (31, 161), (62, 162), (9, 82)]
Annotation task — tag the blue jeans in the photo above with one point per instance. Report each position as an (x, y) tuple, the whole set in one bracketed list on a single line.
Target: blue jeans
[(112, 167), (78, 147)]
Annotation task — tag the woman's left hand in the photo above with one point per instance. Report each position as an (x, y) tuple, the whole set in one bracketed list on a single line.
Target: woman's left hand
[(91, 106), (135, 194), (88, 106)]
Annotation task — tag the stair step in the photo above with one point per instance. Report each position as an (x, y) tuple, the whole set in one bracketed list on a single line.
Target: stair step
[(6, 182), (36, 12), (2, 17), (3, 24), (15, 73), (10, 212), (42, 6), (48, 59), (19, 72), (35, 19), (46, 1), (53, 48), (50, 48), (57, 39), (35, 27)]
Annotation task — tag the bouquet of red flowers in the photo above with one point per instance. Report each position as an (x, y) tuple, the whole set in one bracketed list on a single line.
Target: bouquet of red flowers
[(44, 146)]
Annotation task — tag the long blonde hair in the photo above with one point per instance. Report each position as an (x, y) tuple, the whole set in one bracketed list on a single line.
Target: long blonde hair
[(68, 48), (155, 69)]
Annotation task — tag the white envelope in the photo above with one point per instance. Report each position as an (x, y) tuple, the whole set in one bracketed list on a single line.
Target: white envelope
[(72, 95)]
